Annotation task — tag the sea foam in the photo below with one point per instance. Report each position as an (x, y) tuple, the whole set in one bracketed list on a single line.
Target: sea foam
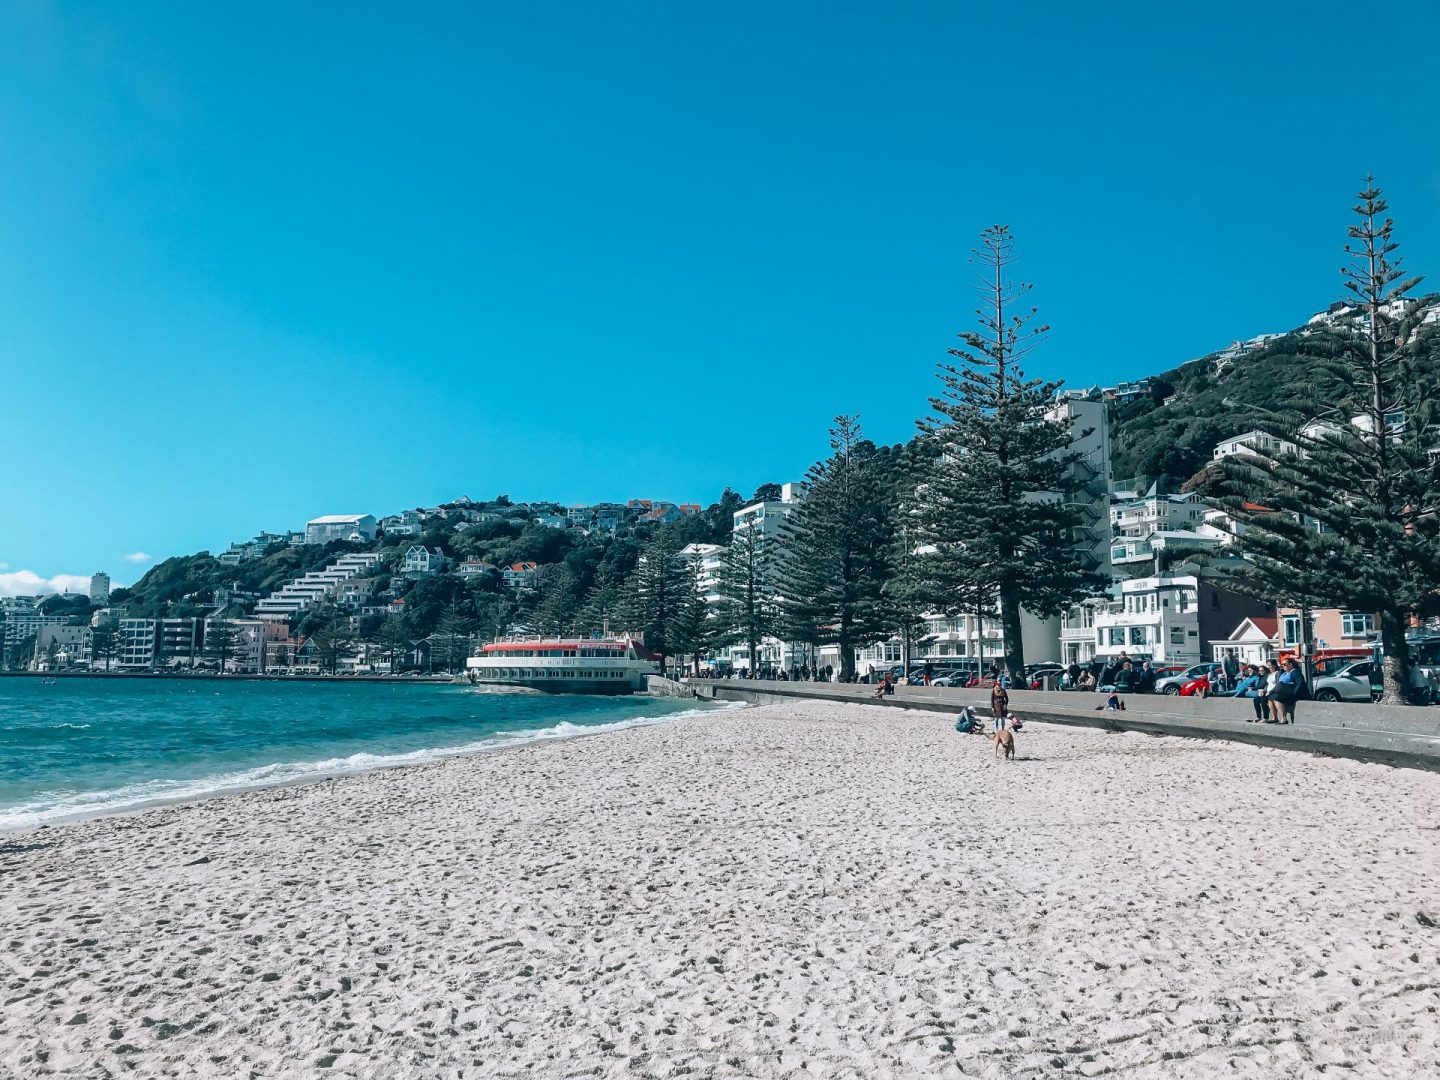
[(62, 806)]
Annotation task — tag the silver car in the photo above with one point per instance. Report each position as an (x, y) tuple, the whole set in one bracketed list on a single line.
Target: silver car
[(1171, 684), (1351, 683)]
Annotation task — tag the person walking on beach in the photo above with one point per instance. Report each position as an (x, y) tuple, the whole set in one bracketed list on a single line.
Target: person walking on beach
[(999, 704)]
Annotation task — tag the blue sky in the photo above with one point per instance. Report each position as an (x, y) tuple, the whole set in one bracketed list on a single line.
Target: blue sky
[(274, 261)]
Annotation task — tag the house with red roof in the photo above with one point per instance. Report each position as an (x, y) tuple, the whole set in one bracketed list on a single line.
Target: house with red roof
[(520, 575)]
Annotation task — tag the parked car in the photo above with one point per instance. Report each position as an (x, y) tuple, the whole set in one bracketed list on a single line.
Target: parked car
[(1355, 682), (1036, 674), (1171, 684), (952, 678), (1198, 687)]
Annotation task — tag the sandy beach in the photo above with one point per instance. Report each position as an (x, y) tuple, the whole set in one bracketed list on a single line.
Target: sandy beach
[(815, 890)]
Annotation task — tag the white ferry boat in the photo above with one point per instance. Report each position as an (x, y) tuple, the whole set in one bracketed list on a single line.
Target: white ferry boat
[(563, 665)]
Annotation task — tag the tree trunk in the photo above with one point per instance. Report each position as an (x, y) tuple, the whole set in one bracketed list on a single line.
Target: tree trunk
[(1395, 669), (1014, 646), (847, 649)]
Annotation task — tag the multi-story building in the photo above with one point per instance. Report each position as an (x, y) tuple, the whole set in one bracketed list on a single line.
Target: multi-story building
[(304, 591), (420, 560), (20, 624), (1156, 511), (323, 530), (100, 589), (61, 646), (709, 560), (1168, 618)]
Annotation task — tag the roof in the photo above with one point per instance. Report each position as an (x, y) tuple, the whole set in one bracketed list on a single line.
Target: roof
[(520, 567), (337, 519)]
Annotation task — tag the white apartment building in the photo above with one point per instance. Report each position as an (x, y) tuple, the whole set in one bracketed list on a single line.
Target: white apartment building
[(710, 560), (304, 591), (323, 530), (1156, 512), (100, 589), (1156, 617), (766, 520)]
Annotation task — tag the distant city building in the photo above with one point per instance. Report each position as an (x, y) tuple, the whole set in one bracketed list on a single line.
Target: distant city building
[(323, 530), (100, 589)]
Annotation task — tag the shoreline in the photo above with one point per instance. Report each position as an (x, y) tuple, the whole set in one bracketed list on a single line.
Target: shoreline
[(442, 756), (419, 680)]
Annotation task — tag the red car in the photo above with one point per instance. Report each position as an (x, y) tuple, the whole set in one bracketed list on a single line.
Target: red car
[(1196, 687)]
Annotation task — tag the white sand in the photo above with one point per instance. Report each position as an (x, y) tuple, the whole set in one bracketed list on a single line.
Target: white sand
[(814, 890)]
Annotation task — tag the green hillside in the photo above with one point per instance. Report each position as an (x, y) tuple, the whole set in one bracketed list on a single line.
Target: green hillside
[(1176, 438)]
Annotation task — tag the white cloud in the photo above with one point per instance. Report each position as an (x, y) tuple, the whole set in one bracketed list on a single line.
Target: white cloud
[(136, 557), (29, 583)]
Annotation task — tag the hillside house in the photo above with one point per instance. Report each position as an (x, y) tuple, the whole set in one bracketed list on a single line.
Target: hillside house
[(420, 560), (520, 575)]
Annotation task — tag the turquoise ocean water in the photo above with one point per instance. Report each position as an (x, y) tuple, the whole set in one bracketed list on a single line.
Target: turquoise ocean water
[(81, 746)]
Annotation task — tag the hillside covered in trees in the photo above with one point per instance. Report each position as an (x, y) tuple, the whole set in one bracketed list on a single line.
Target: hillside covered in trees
[(1172, 433)]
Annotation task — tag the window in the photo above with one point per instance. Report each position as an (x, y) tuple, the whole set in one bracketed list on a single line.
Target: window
[(1177, 635), (1117, 635), (1139, 635), (1355, 625)]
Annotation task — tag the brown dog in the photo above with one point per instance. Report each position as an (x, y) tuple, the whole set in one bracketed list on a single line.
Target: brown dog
[(1004, 740)]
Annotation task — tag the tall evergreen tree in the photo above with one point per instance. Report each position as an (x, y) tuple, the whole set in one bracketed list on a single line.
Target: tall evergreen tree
[(450, 643), (1349, 518), (221, 643), (747, 611), (598, 614), (992, 506), (653, 596), (695, 630), (839, 550)]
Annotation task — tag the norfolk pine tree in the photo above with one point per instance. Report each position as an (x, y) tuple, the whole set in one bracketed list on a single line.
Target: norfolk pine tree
[(839, 550), (653, 596), (1349, 519), (747, 611), (993, 504), (695, 629)]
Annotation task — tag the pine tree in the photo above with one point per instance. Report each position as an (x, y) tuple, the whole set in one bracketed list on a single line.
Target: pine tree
[(1348, 519), (395, 636), (450, 643), (221, 643), (839, 550), (653, 595), (747, 611), (598, 614), (992, 506), (695, 629)]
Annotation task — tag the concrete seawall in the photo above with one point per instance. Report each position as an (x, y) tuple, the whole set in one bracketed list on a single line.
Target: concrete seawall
[(1389, 735)]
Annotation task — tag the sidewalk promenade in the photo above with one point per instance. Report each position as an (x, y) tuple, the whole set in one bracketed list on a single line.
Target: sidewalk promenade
[(1390, 735)]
